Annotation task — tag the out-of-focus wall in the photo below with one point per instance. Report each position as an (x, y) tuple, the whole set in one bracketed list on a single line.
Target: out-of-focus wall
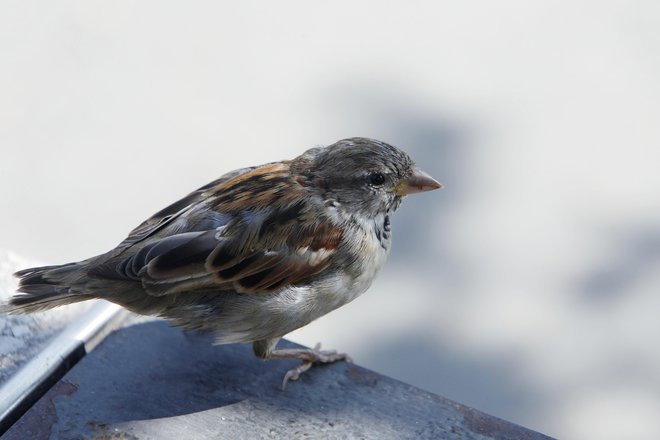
[(528, 288)]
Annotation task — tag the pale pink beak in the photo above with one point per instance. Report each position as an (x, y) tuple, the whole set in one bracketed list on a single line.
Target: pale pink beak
[(417, 182)]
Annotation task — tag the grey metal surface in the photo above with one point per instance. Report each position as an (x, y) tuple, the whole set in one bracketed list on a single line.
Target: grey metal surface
[(27, 384), (151, 381)]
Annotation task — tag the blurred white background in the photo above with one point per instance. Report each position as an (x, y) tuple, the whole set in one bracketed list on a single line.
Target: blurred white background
[(529, 288)]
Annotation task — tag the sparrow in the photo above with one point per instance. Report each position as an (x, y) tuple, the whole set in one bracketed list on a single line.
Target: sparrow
[(253, 255)]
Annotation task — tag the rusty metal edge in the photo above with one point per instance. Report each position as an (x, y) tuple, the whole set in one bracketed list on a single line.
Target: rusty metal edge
[(36, 377)]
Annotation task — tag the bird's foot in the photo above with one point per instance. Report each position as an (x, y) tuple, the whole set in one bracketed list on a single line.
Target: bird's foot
[(309, 356)]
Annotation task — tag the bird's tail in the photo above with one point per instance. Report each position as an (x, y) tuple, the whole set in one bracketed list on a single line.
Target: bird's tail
[(46, 287)]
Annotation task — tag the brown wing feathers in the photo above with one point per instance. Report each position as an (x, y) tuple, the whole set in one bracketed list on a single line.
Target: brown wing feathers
[(260, 254), (256, 270)]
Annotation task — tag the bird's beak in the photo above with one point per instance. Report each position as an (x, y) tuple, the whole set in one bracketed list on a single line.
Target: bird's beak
[(418, 181)]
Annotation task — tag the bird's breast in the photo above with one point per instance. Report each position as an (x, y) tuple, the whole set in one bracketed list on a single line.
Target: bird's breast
[(369, 245)]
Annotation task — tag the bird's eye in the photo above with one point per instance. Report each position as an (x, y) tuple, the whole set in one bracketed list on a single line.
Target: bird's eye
[(376, 179)]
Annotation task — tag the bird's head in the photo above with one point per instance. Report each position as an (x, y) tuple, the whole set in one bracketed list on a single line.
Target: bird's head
[(362, 175)]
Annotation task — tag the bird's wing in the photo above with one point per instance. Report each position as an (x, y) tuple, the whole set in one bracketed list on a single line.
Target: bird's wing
[(270, 236), (208, 261)]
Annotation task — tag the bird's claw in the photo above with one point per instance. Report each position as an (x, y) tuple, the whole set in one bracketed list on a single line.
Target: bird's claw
[(309, 358), (294, 373)]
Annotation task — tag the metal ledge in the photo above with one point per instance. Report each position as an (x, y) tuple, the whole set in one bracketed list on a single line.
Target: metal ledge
[(34, 379), (151, 381)]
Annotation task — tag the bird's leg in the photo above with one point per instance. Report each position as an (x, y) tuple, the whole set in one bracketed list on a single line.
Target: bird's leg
[(308, 356)]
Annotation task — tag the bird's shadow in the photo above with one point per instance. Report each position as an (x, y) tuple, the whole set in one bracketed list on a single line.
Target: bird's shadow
[(154, 371)]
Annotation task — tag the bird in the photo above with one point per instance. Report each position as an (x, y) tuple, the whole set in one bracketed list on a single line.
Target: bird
[(253, 255)]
